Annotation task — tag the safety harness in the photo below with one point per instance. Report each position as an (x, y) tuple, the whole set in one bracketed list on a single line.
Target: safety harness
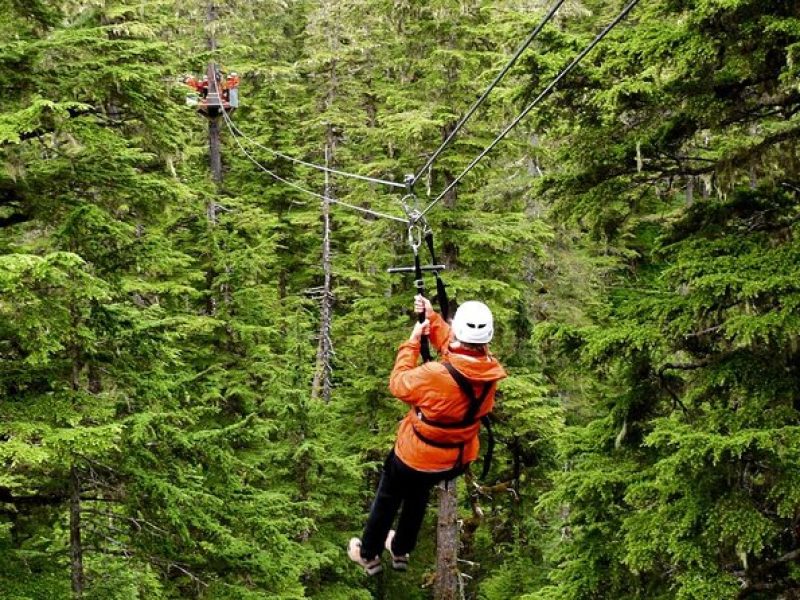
[(469, 420)]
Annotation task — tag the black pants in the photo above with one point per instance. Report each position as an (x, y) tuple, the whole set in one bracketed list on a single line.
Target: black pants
[(399, 485)]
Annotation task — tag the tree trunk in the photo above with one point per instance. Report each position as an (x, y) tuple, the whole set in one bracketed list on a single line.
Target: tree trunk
[(213, 123), (95, 378), (75, 547), (446, 586), (214, 149), (211, 20), (215, 157), (215, 160), (322, 384), (322, 377)]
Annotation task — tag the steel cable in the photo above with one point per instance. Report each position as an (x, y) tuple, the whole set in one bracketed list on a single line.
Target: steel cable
[(533, 35), (532, 105)]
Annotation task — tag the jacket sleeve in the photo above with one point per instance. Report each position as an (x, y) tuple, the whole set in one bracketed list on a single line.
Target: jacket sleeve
[(440, 333), (407, 379)]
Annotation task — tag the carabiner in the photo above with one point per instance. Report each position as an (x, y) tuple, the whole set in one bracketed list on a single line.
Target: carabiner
[(416, 235)]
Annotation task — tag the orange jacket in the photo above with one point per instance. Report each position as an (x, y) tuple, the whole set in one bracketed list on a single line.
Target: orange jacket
[(431, 391)]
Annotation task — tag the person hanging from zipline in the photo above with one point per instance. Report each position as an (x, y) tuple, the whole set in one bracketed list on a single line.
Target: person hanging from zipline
[(438, 438)]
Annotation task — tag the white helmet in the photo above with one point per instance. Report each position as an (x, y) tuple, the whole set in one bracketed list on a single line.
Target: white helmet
[(473, 323)]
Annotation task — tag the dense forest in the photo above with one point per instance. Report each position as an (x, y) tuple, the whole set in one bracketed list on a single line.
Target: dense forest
[(194, 364)]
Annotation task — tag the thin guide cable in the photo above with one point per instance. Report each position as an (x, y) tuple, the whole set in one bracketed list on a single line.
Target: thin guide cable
[(300, 188), (314, 165)]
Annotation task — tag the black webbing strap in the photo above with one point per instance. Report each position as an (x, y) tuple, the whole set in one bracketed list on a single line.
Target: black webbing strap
[(440, 424), (487, 460), (424, 349), (475, 403), (443, 445), (444, 301), (441, 288)]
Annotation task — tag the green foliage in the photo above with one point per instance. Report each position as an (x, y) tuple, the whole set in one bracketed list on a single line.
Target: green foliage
[(636, 239), (678, 466)]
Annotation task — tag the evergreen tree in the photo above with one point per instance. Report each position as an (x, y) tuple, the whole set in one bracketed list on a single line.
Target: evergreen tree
[(635, 237), (681, 171)]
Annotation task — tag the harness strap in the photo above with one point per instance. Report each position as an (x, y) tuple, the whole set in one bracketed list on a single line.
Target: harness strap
[(437, 443), (441, 288), (469, 419), (441, 295), (487, 460), (425, 349), (475, 403), (444, 445), (441, 424)]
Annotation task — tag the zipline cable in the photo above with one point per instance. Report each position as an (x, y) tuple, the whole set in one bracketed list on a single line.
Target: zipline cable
[(533, 35), (299, 187), (532, 105), (314, 165)]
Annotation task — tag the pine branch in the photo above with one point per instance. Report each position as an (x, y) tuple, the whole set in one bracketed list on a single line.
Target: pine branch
[(738, 157), (7, 497), (138, 523), (682, 367), (14, 219), (40, 131)]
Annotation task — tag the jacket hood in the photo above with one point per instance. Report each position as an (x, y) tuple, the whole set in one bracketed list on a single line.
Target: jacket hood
[(477, 368)]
